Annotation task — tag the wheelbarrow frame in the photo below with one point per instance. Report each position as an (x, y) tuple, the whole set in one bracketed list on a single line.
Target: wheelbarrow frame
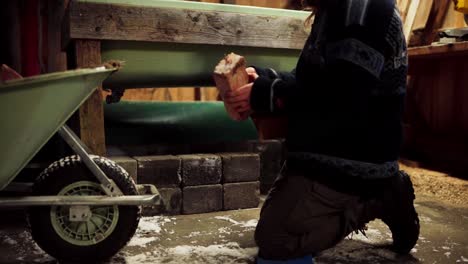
[(114, 195), (147, 194), (96, 210)]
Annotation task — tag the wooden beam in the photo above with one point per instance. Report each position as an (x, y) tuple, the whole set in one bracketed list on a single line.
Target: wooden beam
[(57, 60), (410, 17), (89, 119), (10, 51), (262, 3), (143, 23), (403, 7), (455, 49), (435, 21), (422, 15), (453, 19)]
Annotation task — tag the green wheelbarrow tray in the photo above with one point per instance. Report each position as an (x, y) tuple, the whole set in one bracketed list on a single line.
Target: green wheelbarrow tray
[(32, 110), (84, 208)]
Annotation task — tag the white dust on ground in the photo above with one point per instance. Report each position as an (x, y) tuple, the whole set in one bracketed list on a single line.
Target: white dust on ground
[(359, 248), (23, 244), (148, 230), (251, 223), (223, 253), (374, 248), (226, 251), (149, 249)]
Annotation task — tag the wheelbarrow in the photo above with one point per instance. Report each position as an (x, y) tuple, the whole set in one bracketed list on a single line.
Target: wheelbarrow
[(83, 208)]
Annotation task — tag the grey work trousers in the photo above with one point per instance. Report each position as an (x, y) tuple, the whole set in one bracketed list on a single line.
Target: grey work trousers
[(302, 217)]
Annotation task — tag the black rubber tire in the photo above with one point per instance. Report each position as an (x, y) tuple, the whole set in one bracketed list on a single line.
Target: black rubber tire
[(65, 172)]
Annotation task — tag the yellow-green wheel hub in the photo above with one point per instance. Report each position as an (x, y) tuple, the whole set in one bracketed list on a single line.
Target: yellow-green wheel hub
[(84, 233)]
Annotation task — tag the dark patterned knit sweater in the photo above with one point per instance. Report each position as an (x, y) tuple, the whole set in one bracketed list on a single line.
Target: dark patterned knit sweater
[(345, 98)]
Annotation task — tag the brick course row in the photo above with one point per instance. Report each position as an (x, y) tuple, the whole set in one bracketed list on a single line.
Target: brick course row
[(271, 154), (200, 183), (193, 170)]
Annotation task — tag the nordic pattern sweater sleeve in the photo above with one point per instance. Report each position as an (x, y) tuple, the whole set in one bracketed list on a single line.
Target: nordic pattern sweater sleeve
[(270, 90)]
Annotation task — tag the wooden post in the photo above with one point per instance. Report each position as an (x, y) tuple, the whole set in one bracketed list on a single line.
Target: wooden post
[(435, 21), (410, 17), (88, 122), (56, 58)]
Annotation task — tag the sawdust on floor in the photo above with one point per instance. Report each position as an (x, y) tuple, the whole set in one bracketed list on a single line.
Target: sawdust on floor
[(445, 188)]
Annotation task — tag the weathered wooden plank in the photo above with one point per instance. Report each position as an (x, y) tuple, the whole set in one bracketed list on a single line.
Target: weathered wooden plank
[(453, 19), (462, 95), (57, 59), (410, 17), (435, 21), (458, 83), (142, 23), (91, 113), (160, 94), (403, 7), (263, 3), (423, 14), (444, 100), (454, 49), (11, 40), (210, 1)]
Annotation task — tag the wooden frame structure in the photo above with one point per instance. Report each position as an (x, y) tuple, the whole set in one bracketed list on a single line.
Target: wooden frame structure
[(435, 51), (89, 22), (90, 25)]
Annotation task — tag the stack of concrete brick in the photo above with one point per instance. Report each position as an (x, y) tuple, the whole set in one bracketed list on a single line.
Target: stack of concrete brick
[(271, 152), (199, 183)]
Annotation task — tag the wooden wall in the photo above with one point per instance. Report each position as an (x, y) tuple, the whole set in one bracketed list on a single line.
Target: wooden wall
[(436, 115), (439, 95)]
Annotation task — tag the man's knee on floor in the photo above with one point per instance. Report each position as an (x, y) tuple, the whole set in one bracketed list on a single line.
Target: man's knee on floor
[(274, 242)]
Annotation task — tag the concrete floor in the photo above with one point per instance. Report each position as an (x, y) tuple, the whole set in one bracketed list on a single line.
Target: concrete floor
[(227, 237)]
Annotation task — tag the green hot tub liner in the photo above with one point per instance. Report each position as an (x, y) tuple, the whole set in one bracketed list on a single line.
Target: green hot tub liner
[(144, 123), (151, 64)]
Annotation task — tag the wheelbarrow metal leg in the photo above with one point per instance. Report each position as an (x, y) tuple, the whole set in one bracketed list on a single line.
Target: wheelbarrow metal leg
[(109, 186)]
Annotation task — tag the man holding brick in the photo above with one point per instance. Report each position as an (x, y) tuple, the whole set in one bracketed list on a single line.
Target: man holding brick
[(344, 104)]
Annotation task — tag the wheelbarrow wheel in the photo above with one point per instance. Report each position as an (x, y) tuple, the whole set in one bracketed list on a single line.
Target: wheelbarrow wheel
[(95, 238)]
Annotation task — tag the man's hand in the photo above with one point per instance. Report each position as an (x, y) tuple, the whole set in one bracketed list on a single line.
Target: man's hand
[(252, 74), (239, 100)]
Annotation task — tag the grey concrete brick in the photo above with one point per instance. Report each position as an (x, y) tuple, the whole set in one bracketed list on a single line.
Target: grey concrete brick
[(171, 203), (202, 169), (272, 157), (241, 195), (202, 199), (162, 171), (129, 164), (240, 167)]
